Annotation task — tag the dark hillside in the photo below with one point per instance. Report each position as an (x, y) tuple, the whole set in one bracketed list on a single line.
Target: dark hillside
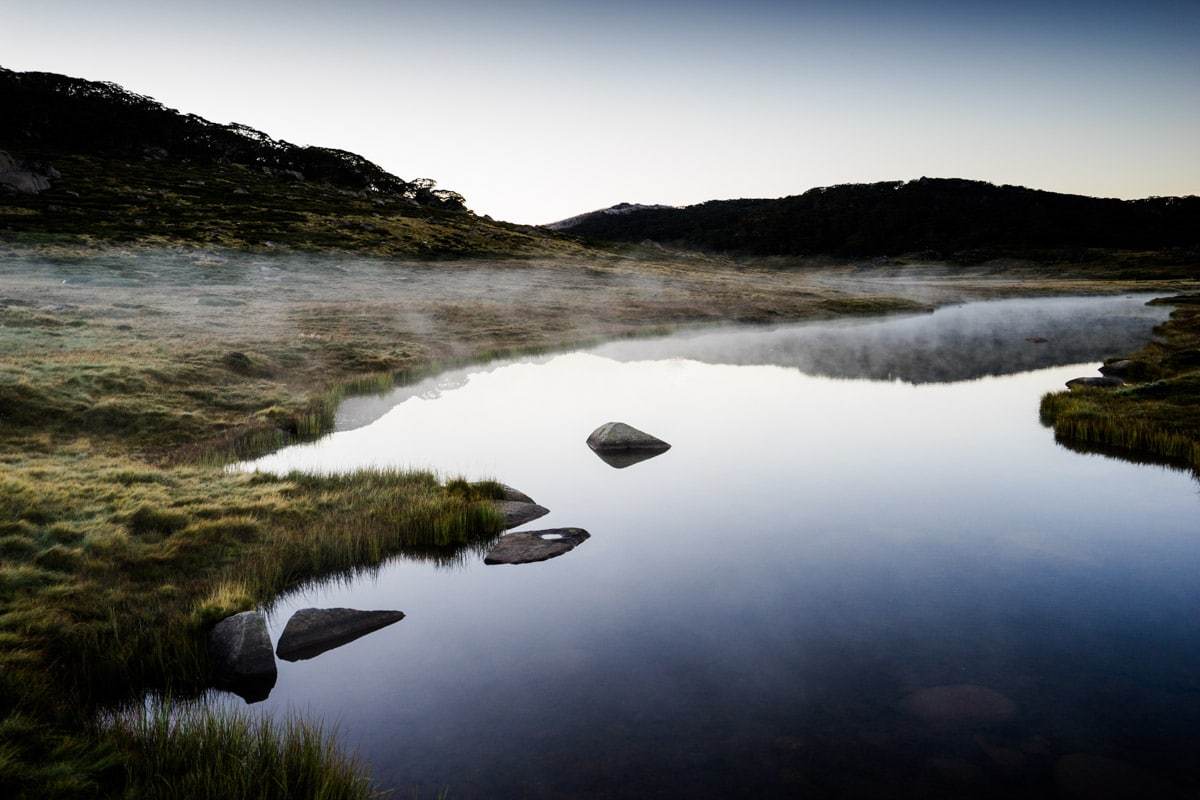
[(941, 218), (83, 160)]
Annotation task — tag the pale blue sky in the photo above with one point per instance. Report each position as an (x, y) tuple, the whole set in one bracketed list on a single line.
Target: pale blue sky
[(538, 110)]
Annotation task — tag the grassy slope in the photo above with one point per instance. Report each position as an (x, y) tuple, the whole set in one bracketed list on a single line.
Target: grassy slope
[(108, 199), (1157, 416)]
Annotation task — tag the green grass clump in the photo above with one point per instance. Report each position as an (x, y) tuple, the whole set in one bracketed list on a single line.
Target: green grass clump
[(1156, 419), (176, 754)]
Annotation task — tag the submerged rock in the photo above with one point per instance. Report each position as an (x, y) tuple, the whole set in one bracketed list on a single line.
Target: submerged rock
[(240, 647), (529, 546), (312, 631), (959, 704), (1106, 382), (517, 512), (616, 437)]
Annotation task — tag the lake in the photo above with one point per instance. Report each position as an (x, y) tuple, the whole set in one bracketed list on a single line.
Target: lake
[(864, 569)]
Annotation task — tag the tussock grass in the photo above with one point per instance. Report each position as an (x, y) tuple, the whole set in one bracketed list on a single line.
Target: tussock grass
[(1158, 419), (172, 753)]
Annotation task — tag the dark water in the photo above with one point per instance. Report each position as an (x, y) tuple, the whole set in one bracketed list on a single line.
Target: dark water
[(863, 570)]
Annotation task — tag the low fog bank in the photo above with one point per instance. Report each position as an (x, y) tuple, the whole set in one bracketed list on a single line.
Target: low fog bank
[(352, 315), (953, 343)]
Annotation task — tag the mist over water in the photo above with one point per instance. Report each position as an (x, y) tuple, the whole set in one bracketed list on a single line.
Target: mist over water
[(953, 343), (829, 586)]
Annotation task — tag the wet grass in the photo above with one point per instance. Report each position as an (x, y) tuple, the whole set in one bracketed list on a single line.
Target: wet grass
[(1156, 416), (195, 752), (113, 572), (123, 538)]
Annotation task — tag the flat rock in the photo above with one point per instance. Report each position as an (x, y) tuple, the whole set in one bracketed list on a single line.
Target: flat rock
[(312, 631), (529, 546), (1106, 382), (240, 647), (959, 704), (615, 437), (517, 512)]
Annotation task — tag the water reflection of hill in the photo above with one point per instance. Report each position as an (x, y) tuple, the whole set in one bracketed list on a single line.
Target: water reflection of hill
[(952, 344)]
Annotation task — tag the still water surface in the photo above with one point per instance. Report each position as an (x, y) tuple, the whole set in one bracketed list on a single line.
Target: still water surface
[(852, 513)]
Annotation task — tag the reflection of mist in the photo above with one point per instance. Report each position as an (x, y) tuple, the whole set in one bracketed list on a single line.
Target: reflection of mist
[(951, 344)]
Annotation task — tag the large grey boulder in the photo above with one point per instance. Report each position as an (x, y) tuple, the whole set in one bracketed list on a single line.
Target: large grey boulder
[(517, 512), (1106, 382), (240, 647), (529, 546), (15, 177), (312, 631), (617, 437)]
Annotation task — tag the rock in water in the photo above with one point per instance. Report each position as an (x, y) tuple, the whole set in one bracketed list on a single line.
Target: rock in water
[(616, 437), (1107, 382), (959, 704), (240, 647), (517, 496), (518, 513), (530, 546), (312, 631)]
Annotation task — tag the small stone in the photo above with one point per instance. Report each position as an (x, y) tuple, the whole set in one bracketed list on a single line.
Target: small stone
[(531, 546)]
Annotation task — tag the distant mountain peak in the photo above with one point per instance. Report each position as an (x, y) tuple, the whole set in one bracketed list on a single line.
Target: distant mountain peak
[(618, 209)]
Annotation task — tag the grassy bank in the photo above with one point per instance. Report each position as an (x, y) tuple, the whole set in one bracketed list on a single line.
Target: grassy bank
[(127, 380), (200, 753), (1156, 416)]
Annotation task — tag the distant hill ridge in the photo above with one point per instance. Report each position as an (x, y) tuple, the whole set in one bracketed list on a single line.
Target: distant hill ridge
[(83, 162), (44, 112), (938, 217)]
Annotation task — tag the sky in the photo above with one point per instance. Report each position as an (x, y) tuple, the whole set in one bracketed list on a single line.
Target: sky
[(538, 110)]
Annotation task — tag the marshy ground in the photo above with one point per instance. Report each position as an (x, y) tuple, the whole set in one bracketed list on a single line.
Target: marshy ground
[(129, 378)]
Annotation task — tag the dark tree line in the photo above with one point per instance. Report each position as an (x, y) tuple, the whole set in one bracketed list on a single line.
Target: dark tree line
[(944, 218), (42, 113)]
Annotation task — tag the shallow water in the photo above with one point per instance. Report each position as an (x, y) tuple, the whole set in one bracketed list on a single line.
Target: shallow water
[(851, 513)]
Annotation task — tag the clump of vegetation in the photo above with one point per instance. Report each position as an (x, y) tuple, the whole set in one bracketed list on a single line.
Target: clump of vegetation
[(171, 753), (1157, 415)]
